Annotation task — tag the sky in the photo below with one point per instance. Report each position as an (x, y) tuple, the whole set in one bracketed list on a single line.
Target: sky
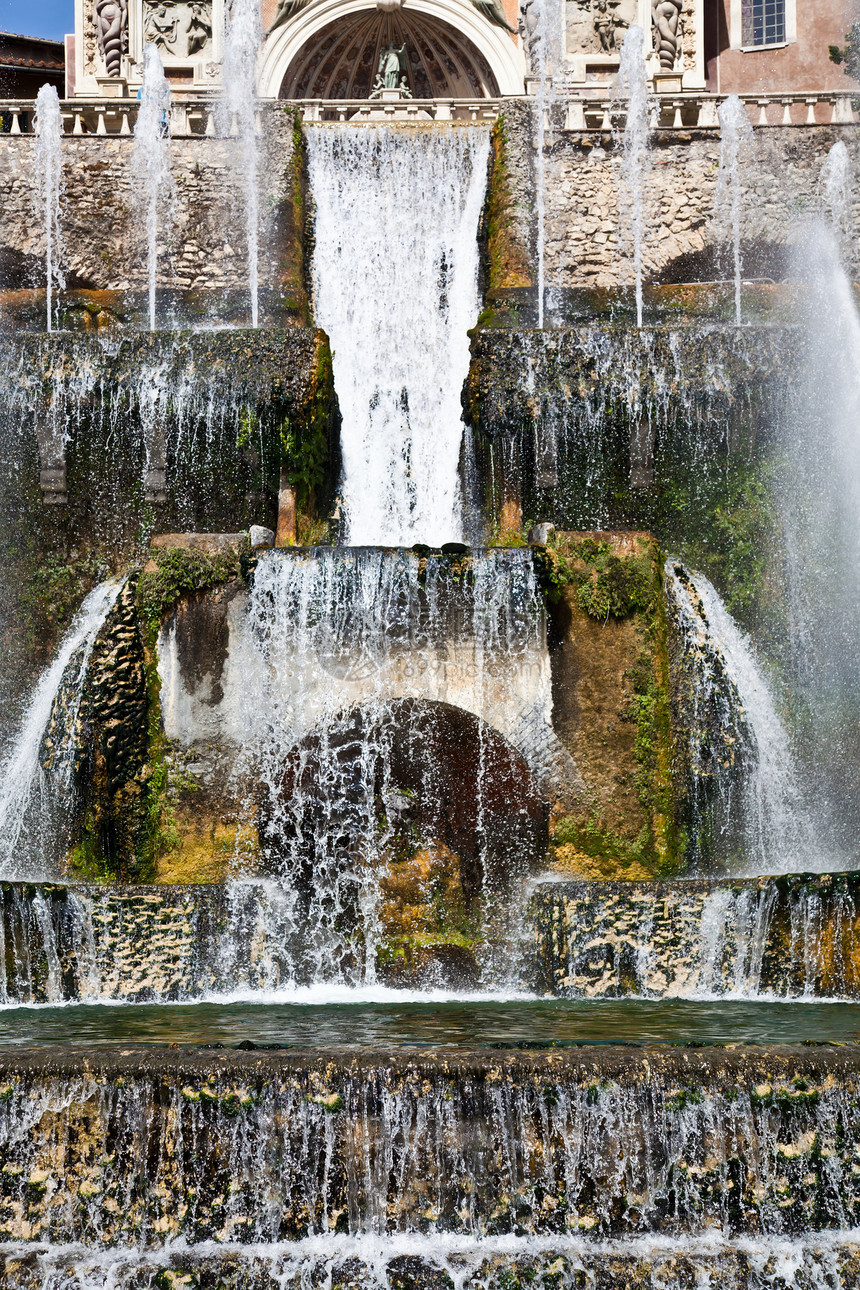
[(48, 18)]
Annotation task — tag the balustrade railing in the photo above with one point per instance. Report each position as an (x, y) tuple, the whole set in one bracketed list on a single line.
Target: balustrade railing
[(688, 110)]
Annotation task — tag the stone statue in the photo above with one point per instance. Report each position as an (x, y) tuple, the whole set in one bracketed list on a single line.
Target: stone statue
[(286, 10), (198, 29), (112, 27), (665, 15), (391, 67), (494, 13), (161, 28), (604, 25)]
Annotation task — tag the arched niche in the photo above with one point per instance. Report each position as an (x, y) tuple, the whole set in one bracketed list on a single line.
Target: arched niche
[(331, 51)]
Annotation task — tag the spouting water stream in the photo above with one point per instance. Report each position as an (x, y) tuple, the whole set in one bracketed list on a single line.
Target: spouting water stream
[(242, 37), (542, 27), (49, 187), (397, 291), (835, 188), (151, 161), (630, 95), (733, 706), (21, 775), (818, 497), (735, 131)]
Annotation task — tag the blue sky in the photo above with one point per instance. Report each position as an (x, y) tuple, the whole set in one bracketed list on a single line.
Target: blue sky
[(48, 18)]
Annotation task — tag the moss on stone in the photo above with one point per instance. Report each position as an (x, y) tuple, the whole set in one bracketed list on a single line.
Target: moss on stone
[(507, 260), (609, 639), (172, 573)]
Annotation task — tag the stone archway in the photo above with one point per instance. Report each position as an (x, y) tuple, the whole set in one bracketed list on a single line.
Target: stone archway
[(433, 773), (330, 51)]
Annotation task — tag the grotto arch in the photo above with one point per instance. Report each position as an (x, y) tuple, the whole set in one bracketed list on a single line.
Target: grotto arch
[(331, 51), (430, 772)]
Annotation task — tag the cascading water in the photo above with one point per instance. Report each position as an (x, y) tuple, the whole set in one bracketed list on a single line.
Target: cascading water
[(25, 797), (630, 95), (49, 188), (767, 938), (397, 296), (151, 164), (365, 650), (242, 38), (738, 739), (735, 133)]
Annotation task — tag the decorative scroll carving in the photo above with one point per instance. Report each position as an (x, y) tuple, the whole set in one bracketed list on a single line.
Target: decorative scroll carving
[(111, 18), (180, 28), (665, 15)]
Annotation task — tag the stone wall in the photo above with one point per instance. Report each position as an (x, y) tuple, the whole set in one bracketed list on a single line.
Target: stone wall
[(684, 241), (203, 246), (789, 937)]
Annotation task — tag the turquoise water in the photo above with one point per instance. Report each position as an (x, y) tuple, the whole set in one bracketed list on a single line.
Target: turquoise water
[(435, 1023)]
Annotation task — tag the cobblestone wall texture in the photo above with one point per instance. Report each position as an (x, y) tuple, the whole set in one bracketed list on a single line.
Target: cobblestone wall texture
[(587, 229), (204, 243)]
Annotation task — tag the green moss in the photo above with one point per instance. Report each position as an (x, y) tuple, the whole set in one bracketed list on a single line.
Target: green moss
[(607, 585), (180, 573), (306, 442), (507, 261)]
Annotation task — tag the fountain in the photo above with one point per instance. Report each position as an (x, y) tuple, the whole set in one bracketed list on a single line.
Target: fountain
[(242, 37), (151, 162), (631, 95), (735, 132), (542, 26), (409, 878), (835, 187), (49, 188)]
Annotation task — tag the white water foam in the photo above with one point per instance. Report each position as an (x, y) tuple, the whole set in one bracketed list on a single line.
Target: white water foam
[(395, 280), (810, 1262)]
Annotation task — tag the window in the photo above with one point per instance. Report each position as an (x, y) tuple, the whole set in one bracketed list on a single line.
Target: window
[(763, 23)]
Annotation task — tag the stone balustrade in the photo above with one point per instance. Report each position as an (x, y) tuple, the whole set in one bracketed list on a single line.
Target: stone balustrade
[(196, 118), (697, 111)]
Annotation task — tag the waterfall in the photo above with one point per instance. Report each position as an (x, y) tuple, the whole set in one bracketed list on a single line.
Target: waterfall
[(395, 280), (22, 784), (630, 95), (365, 654), (735, 131), (243, 35), (734, 723), (151, 165), (49, 187), (768, 938), (268, 1149)]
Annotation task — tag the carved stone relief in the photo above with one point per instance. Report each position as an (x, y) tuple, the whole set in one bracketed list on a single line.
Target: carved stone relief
[(598, 26), (666, 16), (181, 29), (111, 18)]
